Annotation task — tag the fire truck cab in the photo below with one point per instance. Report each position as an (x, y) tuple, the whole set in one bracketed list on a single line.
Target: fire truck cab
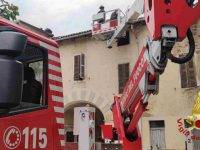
[(30, 62)]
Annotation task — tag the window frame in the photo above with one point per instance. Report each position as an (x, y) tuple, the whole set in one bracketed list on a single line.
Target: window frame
[(44, 80), (185, 70), (45, 72), (124, 40), (80, 74), (153, 128)]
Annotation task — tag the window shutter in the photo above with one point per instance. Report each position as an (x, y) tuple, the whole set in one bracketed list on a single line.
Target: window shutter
[(183, 74), (82, 66), (79, 67), (188, 76), (191, 75), (123, 75), (76, 67), (120, 77)]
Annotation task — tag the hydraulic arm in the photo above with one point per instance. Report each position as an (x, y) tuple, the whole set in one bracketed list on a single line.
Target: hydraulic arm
[(168, 22)]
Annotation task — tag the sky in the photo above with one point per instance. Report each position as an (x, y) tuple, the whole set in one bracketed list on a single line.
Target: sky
[(64, 16)]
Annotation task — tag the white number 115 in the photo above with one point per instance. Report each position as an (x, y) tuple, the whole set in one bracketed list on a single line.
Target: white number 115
[(42, 142)]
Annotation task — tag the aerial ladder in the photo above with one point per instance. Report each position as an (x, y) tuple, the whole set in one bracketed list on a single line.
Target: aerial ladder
[(168, 22)]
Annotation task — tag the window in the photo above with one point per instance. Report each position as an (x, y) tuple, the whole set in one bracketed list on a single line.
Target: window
[(38, 68), (79, 67), (123, 75), (38, 71), (157, 124), (124, 40), (34, 61), (187, 73), (157, 134), (70, 136)]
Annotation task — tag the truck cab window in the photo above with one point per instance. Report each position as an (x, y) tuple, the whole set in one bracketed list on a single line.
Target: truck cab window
[(33, 80), (38, 69), (32, 88), (34, 60)]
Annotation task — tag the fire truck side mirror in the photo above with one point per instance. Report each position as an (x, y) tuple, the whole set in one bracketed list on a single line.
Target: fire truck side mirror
[(12, 44)]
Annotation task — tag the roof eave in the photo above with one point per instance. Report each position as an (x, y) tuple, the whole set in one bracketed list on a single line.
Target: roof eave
[(88, 33)]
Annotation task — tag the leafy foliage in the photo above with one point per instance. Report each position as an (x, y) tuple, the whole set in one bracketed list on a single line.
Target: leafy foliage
[(8, 11)]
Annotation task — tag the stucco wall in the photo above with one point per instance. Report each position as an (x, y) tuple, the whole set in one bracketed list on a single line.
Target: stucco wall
[(101, 70)]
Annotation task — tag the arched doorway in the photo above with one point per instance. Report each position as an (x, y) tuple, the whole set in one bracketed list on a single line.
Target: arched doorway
[(69, 120)]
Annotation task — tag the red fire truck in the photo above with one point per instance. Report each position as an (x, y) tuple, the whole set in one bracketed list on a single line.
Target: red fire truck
[(25, 59)]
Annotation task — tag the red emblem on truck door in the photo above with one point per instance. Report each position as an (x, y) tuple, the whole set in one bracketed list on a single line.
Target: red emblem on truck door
[(12, 137)]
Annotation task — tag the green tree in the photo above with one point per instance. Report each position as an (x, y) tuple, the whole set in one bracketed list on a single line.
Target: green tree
[(8, 10)]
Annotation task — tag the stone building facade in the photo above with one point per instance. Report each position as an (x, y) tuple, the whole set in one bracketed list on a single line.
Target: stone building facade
[(160, 125)]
